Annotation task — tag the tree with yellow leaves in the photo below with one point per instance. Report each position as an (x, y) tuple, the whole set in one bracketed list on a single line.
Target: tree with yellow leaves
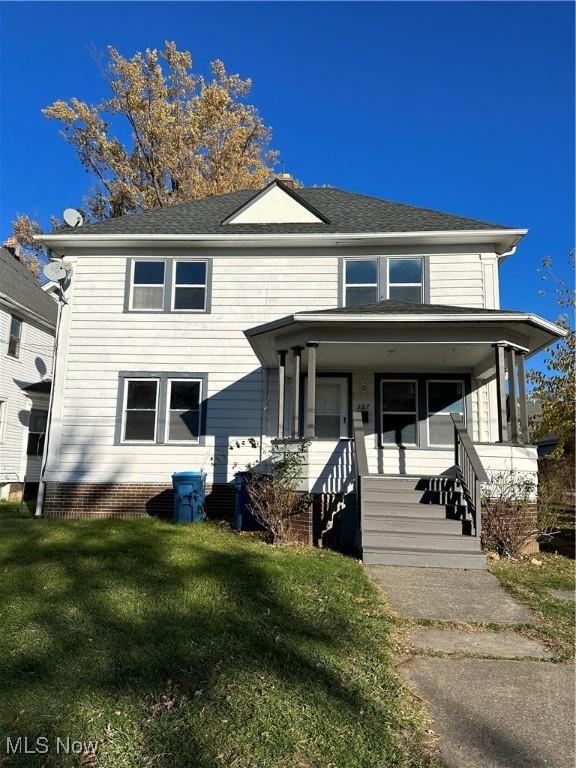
[(191, 136)]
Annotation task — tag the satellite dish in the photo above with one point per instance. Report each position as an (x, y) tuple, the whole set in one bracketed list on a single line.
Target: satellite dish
[(72, 217), (55, 271)]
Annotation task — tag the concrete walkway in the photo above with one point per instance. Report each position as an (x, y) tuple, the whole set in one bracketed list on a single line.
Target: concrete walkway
[(494, 699)]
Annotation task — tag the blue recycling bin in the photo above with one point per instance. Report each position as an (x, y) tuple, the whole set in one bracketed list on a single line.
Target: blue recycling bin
[(243, 518), (188, 496)]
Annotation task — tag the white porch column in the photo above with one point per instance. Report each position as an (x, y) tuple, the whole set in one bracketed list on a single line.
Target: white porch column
[(501, 393), (512, 393), (525, 429), (311, 392), (281, 390), (296, 355)]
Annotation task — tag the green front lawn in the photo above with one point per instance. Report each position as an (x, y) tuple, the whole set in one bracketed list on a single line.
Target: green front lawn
[(532, 579), (194, 646)]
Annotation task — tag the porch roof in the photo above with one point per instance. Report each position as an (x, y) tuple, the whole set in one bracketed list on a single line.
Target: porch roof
[(418, 334)]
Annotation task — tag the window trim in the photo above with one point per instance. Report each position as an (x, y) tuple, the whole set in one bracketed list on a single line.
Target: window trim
[(191, 440), (382, 262), (428, 414), (3, 419), (132, 285), (19, 338), (420, 285), (168, 287), (43, 433), (162, 377), (175, 285), (140, 441), (345, 285), (414, 381)]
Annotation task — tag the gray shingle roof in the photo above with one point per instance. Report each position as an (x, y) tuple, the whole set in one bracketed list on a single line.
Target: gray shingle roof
[(18, 284), (346, 212), (391, 307)]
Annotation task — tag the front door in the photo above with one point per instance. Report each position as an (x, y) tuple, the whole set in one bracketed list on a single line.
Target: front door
[(331, 407)]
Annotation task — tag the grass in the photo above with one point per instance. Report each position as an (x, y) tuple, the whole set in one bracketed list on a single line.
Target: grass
[(194, 646), (10, 510), (531, 579)]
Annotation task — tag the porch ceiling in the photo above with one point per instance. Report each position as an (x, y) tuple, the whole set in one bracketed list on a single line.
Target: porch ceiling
[(408, 343)]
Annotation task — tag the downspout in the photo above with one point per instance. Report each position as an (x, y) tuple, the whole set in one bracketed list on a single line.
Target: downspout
[(42, 485)]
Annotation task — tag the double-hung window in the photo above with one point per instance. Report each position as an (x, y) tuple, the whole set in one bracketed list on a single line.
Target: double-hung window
[(147, 289), (399, 405), (405, 280), (14, 337), (36, 432), (444, 399), (183, 416), (140, 410), (360, 282), (161, 408), (189, 286)]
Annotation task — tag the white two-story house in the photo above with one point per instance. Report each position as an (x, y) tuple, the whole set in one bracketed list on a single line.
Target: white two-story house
[(27, 327), (370, 328)]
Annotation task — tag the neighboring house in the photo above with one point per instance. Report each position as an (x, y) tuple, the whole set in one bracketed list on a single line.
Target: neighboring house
[(361, 324), (27, 327)]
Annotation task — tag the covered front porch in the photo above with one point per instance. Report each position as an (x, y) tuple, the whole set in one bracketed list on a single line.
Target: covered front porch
[(407, 369)]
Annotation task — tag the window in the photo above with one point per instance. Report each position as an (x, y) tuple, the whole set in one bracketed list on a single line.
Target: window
[(189, 286), (183, 418), (444, 398), (360, 282), (3, 407), (405, 280), (140, 409), (15, 337), (36, 432), (148, 285), (161, 408), (399, 412)]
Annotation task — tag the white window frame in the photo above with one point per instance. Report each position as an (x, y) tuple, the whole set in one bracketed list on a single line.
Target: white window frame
[(146, 285), (125, 411), (398, 413), (30, 432), (442, 413), (3, 419), (347, 285), (188, 440), (420, 285), (189, 285), (20, 338)]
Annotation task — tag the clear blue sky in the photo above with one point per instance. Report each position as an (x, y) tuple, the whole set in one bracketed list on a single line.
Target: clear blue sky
[(464, 107)]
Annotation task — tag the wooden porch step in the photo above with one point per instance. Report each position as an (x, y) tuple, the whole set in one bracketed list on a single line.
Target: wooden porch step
[(425, 526), (421, 541), (411, 509), (421, 559)]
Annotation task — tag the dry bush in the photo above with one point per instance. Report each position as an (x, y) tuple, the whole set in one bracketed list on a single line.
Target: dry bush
[(509, 518), (274, 497)]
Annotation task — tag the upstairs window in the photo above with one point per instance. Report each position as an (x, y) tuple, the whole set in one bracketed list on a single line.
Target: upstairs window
[(36, 432), (15, 337), (405, 280), (189, 286), (360, 282), (140, 408), (148, 286)]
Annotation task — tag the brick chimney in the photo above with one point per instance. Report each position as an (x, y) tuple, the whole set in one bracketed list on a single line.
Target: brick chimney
[(287, 180), (13, 246)]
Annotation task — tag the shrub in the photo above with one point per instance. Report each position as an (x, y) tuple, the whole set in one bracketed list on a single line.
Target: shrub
[(275, 497), (509, 518)]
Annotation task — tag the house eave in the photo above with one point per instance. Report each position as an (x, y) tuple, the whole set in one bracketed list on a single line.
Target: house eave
[(500, 241)]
